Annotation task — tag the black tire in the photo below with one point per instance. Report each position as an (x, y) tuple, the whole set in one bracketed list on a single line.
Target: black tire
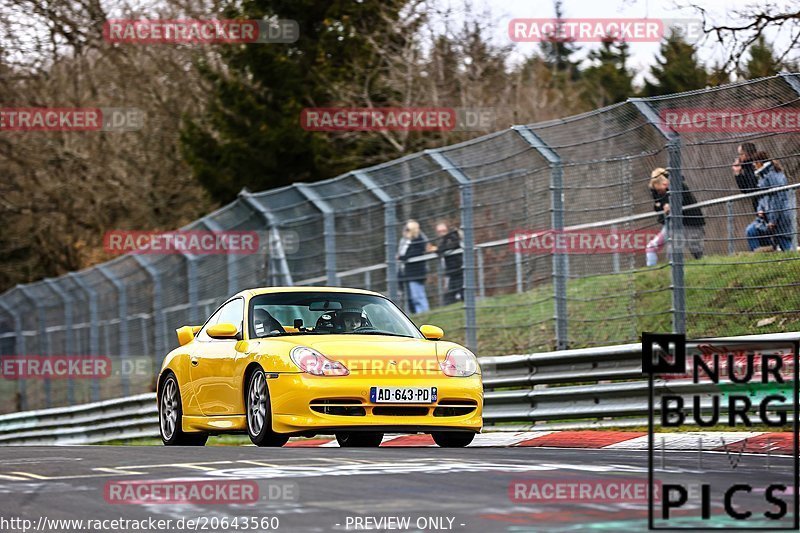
[(259, 413), (170, 414), (452, 439), (359, 439)]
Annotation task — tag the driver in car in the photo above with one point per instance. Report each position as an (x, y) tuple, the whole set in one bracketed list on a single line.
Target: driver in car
[(352, 319)]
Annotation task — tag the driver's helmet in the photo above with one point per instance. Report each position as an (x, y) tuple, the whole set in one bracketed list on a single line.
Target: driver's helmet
[(326, 322), (351, 318)]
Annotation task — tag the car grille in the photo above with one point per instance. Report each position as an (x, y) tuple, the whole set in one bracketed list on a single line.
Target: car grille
[(354, 407)]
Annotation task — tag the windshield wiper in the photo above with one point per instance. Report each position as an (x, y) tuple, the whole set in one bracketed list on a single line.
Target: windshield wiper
[(379, 333)]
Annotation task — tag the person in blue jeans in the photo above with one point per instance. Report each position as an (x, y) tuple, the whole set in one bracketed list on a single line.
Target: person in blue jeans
[(414, 273), (772, 226)]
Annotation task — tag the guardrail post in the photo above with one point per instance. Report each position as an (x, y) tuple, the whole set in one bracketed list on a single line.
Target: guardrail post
[(279, 266), (232, 266), (44, 341), (560, 265), (390, 228), (122, 311), (94, 333), (675, 218), (467, 223), (159, 317), (328, 229), (19, 349)]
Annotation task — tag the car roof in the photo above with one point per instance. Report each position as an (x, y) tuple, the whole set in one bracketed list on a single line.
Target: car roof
[(273, 290)]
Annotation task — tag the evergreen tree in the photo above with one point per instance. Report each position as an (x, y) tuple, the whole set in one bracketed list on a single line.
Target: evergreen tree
[(678, 68), (608, 80), (557, 49), (251, 134), (762, 60)]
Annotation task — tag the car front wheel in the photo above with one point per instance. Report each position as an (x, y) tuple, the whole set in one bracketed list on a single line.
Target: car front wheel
[(452, 439), (170, 413), (259, 413)]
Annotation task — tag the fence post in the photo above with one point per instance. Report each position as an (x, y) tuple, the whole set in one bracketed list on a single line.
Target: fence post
[(729, 212), (560, 265), (390, 228), (122, 311), (43, 343), (675, 218), (94, 333), (191, 286), (465, 188), (19, 349), (232, 270), (159, 318), (328, 229), (794, 82), (285, 275)]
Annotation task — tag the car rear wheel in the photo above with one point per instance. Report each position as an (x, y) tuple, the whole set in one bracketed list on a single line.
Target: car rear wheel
[(259, 413), (452, 439), (359, 439), (170, 413)]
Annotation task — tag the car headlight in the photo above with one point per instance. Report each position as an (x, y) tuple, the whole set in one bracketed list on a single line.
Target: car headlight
[(316, 364), (459, 363)]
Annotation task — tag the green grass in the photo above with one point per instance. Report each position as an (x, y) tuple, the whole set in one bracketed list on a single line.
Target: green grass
[(616, 308)]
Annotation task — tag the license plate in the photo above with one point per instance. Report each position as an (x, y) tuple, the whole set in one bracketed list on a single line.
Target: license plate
[(402, 394)]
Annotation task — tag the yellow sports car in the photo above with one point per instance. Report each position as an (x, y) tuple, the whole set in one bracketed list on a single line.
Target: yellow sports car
[(298, 361)]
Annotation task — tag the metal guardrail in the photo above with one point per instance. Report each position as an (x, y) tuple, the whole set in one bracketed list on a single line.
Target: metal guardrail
[(121, 418), (590, 387)]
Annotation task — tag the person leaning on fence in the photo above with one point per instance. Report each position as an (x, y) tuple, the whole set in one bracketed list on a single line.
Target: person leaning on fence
[(449, 247), (414, 273), (744, 171), (693, 221), (772, 226)]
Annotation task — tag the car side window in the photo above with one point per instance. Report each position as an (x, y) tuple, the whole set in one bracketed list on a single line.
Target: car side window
[(232, 312)]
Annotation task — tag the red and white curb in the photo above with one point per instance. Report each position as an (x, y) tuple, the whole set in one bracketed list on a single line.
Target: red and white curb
[(740, 441)]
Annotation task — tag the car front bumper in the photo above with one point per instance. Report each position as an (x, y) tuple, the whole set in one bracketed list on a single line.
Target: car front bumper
[(306, 403)]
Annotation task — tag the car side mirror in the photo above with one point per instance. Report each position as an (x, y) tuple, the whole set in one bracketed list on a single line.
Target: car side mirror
[(432, 333), (226, 331), (186, 334)]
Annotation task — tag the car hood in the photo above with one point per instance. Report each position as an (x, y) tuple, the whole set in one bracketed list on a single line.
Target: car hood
[(368, 353)]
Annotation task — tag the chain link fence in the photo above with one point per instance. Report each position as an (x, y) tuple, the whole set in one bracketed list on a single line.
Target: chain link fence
[(587, 173)]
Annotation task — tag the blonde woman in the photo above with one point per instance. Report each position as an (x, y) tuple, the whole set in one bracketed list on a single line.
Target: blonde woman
[(693, 221), (413, 274)]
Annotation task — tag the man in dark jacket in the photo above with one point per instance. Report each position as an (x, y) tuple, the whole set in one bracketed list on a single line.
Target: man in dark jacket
[(693, 221), (744, 171), (448, 246)]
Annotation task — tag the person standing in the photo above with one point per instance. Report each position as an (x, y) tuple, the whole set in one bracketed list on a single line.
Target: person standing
[(414, 273), (772, 226), (449, 247), (744, 171), (693, 221)]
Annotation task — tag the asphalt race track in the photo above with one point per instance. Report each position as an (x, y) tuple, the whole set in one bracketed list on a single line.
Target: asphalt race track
[(333, 489)]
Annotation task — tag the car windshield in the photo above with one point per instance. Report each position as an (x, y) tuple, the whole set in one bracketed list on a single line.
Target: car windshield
[(320, 313)]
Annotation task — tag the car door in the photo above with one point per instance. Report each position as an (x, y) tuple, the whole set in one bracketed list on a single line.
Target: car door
[(212, 365)]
